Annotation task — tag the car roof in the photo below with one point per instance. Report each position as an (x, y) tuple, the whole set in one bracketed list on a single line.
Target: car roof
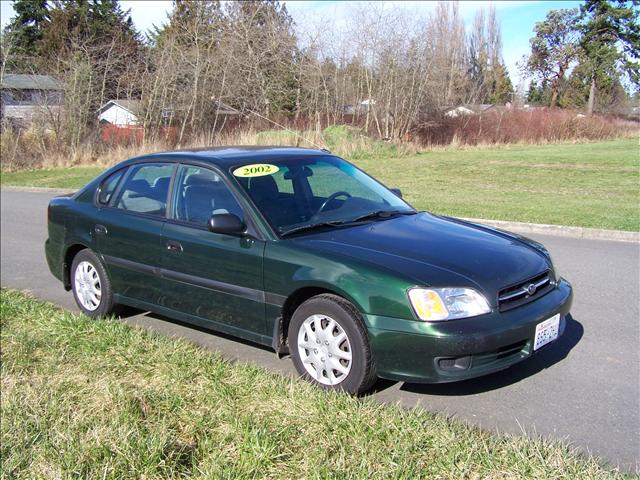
[(225, 157)]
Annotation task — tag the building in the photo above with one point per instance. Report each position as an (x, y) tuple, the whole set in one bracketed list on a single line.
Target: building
[(470, 109), (26, 98), (121, 113)]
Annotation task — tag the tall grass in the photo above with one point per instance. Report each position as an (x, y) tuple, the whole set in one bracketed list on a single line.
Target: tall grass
[(39, 148)]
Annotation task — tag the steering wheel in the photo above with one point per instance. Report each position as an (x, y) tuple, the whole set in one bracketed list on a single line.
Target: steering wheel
[(328, 200)]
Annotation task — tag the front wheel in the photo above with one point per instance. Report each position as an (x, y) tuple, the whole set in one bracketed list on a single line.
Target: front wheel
[(91, 286), (329, 345)]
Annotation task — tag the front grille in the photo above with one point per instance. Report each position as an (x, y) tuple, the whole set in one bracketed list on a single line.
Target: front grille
[(525, 292)]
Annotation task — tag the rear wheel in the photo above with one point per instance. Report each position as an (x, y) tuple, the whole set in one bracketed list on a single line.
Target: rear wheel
[(329, 345), (91, 286)]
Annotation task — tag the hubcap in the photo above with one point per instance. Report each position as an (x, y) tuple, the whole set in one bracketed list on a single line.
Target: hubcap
[(87, 283), (324, 349)]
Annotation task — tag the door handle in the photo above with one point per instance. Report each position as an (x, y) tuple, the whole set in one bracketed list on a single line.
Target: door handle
[(174, 247), (100, 230)]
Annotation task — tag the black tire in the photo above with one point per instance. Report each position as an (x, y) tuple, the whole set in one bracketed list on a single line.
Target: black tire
[(362, 374), (106, 306)]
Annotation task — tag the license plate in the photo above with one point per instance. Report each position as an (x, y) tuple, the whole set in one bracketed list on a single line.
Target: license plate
[(547, 331)]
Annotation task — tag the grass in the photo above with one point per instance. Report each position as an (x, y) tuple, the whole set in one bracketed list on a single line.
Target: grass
[(594, 184), (99, 399)]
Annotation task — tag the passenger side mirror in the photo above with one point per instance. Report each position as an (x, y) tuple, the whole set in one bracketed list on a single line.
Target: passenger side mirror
[(226, 223), (397, 192)]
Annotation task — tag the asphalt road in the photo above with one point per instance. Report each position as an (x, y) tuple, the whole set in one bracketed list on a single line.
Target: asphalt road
[(583, 389)]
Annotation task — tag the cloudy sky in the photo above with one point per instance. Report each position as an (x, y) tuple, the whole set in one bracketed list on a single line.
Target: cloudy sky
[(518, 17)]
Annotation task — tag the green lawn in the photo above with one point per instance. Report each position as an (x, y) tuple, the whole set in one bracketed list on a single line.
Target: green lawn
[(587, 184), (98, 399)]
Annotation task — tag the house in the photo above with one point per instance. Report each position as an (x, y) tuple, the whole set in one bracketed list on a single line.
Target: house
[(24, 98), (469, 109), (121, 113)]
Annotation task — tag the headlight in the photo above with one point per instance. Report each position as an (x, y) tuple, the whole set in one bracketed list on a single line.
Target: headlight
[(436, 304)]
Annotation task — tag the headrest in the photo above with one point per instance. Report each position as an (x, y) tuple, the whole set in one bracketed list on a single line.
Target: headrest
[(264, 187), (202, 179)]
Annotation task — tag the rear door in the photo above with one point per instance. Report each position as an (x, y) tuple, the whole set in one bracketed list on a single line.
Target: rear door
[(210, 275), (128, 230)]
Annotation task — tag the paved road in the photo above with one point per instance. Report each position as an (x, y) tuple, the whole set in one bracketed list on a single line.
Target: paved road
[(583, 389)]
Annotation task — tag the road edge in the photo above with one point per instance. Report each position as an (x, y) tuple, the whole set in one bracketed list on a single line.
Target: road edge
[(14, 188), (561, 230), (518, 227)]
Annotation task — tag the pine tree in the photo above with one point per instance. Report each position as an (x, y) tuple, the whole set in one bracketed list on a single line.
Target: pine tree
[(610, 42)]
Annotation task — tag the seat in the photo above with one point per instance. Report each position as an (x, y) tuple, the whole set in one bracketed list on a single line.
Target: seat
[(278, 210), (198, 203)]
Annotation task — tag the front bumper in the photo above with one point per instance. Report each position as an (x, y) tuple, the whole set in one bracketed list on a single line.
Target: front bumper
[(437, 352)]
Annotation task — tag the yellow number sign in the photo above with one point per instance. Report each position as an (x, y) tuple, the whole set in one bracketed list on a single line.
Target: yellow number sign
[(255, 170)]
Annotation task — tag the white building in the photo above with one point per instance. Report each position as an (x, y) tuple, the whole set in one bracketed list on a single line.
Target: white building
[(121, 113)]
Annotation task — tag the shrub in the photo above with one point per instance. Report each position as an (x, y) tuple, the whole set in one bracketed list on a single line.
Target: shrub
[(521, 126)]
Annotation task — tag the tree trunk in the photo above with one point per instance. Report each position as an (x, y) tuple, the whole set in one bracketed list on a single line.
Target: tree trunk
[(592, 96), (554, 98)]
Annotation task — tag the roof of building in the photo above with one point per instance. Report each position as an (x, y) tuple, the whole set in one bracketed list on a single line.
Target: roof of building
[(131, 105), (16, 81), (237, 155)]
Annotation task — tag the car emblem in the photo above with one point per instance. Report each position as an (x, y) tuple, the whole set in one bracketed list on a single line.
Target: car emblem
[(530, 289)]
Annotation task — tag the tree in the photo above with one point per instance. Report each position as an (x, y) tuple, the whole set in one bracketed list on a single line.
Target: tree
[(553, 49), (489, 79), (610, 42), (24, 34), (501, 86)]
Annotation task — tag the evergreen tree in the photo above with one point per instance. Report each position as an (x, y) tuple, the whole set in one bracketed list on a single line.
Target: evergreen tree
[(24, 33), (501, 88), (610, 42)]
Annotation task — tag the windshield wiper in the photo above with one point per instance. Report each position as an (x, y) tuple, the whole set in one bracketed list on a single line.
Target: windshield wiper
[(384, 214), (310, 226), (381, 214)]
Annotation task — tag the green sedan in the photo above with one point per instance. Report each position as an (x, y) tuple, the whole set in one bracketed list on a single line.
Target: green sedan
[(302, 251)]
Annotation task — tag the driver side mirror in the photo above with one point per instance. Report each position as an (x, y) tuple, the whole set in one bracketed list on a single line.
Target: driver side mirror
[(227, 223), (397, 192)]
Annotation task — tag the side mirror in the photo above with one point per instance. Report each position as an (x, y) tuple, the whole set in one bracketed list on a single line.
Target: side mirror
[(226, 223), (397, 192)]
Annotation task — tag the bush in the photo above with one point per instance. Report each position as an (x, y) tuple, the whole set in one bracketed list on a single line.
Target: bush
[(521, 126)]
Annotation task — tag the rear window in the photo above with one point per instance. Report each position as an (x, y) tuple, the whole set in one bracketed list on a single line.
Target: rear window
[(108, 186), (146, 188)]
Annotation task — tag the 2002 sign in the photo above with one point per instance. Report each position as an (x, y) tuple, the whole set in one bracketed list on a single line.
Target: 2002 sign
[(255, 170)]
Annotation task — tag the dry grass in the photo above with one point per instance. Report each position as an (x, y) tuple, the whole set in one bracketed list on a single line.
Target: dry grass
[(38, 148)]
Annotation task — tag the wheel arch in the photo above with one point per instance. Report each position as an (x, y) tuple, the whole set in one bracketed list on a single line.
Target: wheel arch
[(292, 302), (69, 255)]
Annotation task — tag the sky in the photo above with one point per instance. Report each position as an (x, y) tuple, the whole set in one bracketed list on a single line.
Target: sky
[(517, 17)]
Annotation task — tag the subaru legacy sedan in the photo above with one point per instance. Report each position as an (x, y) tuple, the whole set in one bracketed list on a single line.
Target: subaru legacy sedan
[(299, 250)]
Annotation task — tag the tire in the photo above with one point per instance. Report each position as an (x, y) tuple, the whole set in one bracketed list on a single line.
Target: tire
[(91, 285), (320, 351)]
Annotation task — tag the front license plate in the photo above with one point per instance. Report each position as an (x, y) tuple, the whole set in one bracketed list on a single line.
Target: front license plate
[(547, 331)]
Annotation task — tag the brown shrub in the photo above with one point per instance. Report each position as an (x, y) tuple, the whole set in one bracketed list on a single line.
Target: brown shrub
[(521, 126)]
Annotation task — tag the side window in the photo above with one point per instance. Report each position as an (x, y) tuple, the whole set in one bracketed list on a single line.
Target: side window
[(108, 186), (145, 189), (200, 193)]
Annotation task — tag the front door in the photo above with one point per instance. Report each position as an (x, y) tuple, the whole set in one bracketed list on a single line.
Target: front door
[(128, 231), (212, 276)]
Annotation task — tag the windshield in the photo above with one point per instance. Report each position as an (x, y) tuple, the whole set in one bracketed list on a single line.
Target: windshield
[(294, 193)]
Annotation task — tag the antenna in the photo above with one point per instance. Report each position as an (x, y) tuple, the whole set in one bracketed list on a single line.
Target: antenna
[(288, 130)]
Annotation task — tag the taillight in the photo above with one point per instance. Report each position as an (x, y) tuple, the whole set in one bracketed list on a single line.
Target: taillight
[(49, 213)]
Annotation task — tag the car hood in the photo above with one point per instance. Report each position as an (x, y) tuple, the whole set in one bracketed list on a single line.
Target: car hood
[(436, 251)]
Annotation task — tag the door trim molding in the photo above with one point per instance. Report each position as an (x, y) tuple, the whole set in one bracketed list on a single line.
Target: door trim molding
[(214, 285)]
